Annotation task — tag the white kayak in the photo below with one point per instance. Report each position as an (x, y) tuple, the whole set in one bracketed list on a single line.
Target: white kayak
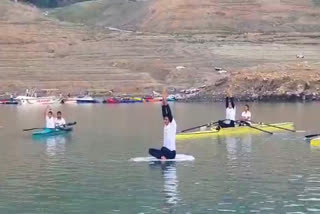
[(179, 158)]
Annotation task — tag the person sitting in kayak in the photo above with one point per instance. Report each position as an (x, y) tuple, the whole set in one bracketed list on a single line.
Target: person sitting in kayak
[(60, 121), (230, 113), (168, 151), (50, 120), (246, 114)]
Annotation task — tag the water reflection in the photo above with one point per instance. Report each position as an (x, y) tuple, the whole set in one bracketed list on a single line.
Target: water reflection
[(232, 147), (239, 167), (237, 147), (54, 144), (170, 185)]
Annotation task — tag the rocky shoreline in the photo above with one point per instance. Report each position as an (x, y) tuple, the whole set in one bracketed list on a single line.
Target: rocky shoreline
[(267, 97), (274, 82)]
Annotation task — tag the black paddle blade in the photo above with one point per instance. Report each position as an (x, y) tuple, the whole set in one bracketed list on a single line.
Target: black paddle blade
[(312, 135), (71, 124)]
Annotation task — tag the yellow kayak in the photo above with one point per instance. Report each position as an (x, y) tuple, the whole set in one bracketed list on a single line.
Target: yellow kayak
[(235, 131), (315, 142)]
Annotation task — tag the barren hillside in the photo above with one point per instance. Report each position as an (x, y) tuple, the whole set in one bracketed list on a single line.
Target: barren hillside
[(233, 16), (37, 50), (201, 16)]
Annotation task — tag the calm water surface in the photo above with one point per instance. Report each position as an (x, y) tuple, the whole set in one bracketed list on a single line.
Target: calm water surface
[(89, 171)]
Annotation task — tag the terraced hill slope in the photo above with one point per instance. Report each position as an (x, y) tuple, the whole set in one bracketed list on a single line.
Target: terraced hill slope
[(37, 50)]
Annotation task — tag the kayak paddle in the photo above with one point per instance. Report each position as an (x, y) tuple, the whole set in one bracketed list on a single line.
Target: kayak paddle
[(312, 135), (249, 125), (196, 127), (68, 124), (290, 130), (71, 124), (30, 129)]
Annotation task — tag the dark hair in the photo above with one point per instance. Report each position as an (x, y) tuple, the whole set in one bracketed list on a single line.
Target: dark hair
[(59, 112), (247, 106), (50, 112)]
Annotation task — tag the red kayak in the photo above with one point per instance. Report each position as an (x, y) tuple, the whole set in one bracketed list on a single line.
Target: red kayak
[(112, 100)]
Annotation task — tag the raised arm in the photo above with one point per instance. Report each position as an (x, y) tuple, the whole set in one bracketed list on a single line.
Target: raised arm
[(46, 111), (232, 102), (229, 98), (166, 112), (227, 102)]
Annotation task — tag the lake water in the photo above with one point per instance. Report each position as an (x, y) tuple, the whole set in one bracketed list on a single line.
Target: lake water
[(89, 171)]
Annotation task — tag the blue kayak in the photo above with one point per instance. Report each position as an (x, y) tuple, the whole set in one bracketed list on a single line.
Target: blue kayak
[(52, 132)]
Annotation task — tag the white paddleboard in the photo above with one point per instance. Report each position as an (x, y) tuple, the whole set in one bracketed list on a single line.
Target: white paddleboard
[(179, 157)]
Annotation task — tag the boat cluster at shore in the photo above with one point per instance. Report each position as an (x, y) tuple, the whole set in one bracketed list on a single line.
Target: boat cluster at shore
[(27, 100), (33, 98)]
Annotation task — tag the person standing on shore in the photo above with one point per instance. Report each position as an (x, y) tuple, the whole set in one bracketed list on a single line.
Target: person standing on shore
[(230, 113), (168, 150)]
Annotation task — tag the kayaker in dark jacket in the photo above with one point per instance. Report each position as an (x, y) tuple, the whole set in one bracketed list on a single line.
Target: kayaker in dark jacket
[(168, 150)]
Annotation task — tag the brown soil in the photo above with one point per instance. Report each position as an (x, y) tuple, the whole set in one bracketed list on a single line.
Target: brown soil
[(37, 51)]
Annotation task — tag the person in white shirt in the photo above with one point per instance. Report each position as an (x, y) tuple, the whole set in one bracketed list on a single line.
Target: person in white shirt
[(50, 120), (230, 109), (246, 114), (59, 121), (168, 150)]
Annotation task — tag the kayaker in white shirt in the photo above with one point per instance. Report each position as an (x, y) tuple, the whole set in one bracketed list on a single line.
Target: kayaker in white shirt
[(50, 120), (168, 150), (59, 121), (246, 114)]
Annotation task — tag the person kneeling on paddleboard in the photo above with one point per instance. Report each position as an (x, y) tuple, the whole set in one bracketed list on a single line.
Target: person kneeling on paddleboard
[(230, 113), (168, 151)]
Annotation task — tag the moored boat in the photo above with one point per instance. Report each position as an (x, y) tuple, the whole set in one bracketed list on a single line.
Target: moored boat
[(111, 100), (211, 132), (137, 99), (171, 98), (38, 100), (9, 102), (31, 97), (127, 100), (69, 100), (52, 132), (148, 99), (157, 99), (86, 99)]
